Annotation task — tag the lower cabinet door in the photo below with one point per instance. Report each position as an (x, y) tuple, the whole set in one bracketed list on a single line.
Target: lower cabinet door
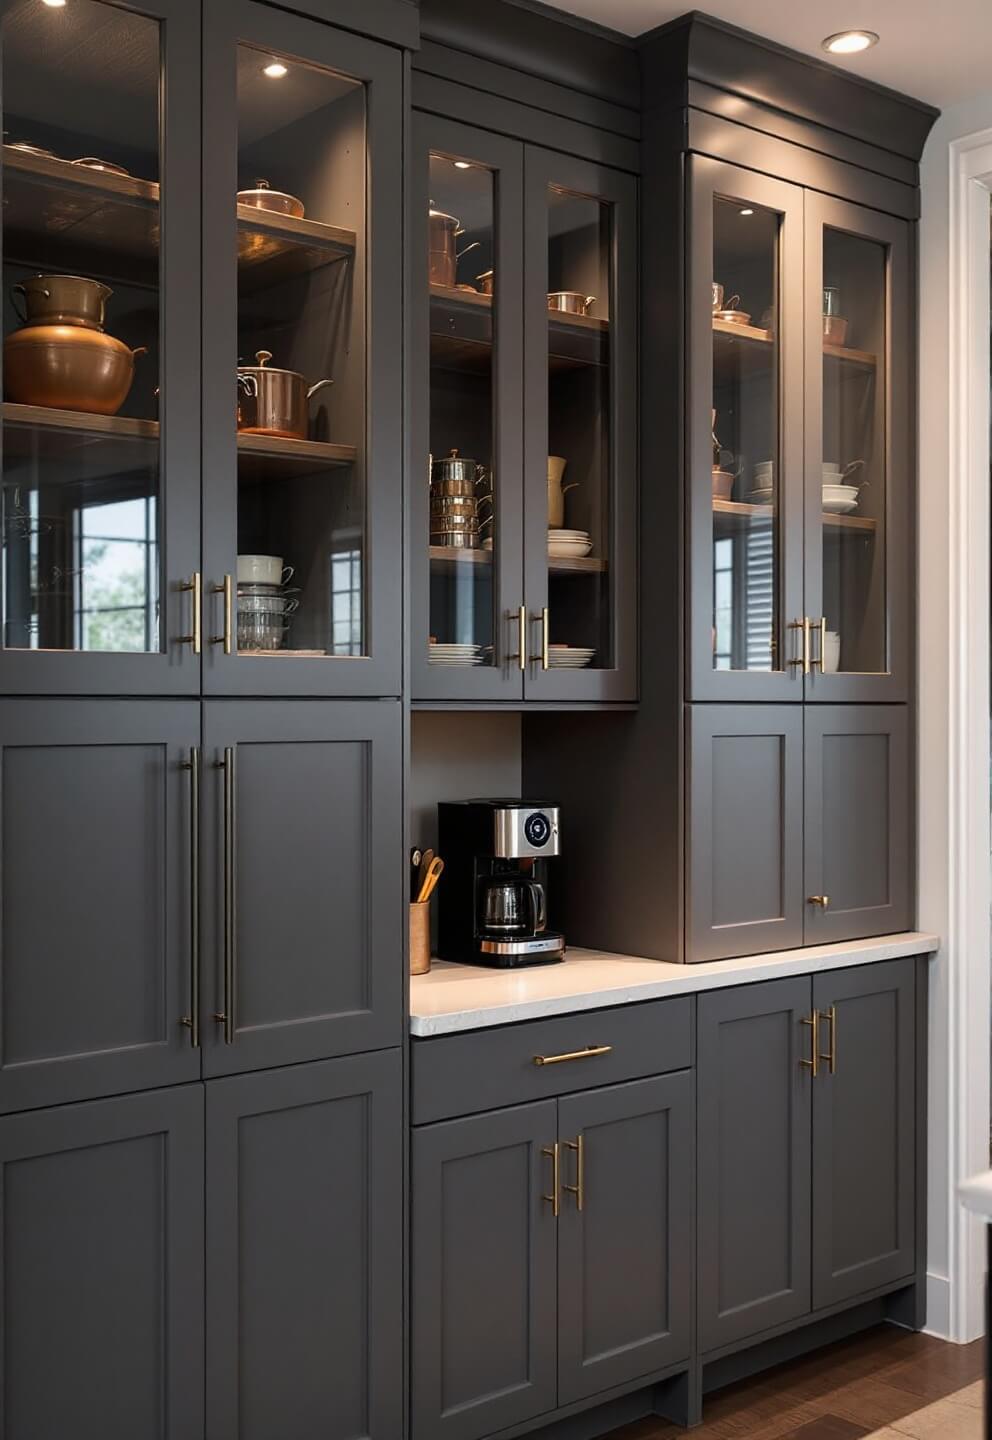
[(305, 1252), (303, 902), (483, 1273), (753, 1172), (625, 1233), (858, 849), (745, 831), (864, 1130), (102, 1284)]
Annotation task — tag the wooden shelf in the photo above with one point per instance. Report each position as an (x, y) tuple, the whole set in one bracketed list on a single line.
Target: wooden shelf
[(750, 335), (557, 565), (272, 248), (270, 457), (461, 329), (730, 515)]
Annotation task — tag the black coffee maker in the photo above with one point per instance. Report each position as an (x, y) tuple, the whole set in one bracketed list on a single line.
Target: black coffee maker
[(492, 909)]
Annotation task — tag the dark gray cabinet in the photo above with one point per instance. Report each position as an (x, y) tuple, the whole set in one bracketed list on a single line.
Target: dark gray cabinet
[(754, 1162), (864, 1130), (102, 1287), (484, 1267), (304, 1252), (98, 944), (745, 830), (799, 828), (624, 1262), (858, 821), (551, 1253), (303, 903), (807, 1173)]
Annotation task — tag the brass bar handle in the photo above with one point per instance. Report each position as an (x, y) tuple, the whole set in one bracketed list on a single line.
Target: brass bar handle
[(192, 1020), (194, 587), (822, 900), (798, 625), (522, 638), (226, 1016), (831, 1056), (545, 639), (821, 628), (227, 638), (553, 1153), (579, 1188), (585, 1054), (813, 1065)]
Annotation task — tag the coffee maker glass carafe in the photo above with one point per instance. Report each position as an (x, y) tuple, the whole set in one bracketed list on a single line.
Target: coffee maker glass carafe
[(512, 905)]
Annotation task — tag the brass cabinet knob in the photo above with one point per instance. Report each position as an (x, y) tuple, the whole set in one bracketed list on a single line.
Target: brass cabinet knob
[(822, 900)]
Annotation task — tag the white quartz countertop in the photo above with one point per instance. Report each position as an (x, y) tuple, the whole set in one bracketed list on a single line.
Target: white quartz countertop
[(976, 1195), (468, 997)]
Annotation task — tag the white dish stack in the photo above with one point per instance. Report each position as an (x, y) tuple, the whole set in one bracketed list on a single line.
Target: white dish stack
[(839, 498), (568, 544), (570, 657), (442, 654)]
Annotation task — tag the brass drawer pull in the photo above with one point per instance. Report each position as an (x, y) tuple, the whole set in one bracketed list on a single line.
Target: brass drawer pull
[(804, 660), (192, 1020), (227, 638), (519, 618), (830, 1016), (193, 587), (579, 1188), (813, 1066), (553, 1153), (821, 628), (585, 1054)]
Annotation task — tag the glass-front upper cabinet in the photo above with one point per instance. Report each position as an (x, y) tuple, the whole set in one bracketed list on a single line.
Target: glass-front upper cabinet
[(466, 522), (99, 510), (580, 415), (858, 484), (745, 437), (303, 347)]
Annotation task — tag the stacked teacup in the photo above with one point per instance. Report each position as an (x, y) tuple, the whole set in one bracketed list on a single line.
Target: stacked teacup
[(264, 602)]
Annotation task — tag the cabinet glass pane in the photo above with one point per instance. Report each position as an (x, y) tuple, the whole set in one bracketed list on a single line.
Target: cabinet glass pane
[(301, 385), (580, 289), (463, 288), (746, 474), (853, 454), (81, 519)]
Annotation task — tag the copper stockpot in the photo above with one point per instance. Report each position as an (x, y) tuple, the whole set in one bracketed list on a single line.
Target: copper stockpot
[(61, 300), (263, 197), (68, 367), (570, 302), (273, 401), (444, 231)]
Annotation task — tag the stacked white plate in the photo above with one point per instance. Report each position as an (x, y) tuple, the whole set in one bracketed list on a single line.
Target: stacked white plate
[(761, 495), (573, 544), (457, 654), (569, 657), (839, 499)]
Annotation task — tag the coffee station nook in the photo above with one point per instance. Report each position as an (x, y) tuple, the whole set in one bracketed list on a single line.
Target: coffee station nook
[(457, 719)]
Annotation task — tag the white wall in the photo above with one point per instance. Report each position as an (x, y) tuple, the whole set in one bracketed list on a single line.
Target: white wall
[(953, 775)]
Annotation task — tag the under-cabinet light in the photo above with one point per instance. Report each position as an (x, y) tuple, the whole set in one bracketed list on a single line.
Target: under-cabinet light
[(463, 165), (849, 42), (276, 70), (747, 211), (54, 4)]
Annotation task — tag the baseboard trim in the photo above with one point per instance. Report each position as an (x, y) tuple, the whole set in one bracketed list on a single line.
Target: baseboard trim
[(938, 1306)]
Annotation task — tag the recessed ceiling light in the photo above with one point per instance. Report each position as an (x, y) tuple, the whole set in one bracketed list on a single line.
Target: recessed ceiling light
[(849, 42), (276, 70), (462, 165), (54, 4), (747, 212)]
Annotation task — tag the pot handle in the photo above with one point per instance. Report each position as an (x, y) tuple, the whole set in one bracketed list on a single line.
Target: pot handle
[(141, 350), (589, 300), (22, 315), (474, 246), (320, 385), (573, 485), (248, 385)]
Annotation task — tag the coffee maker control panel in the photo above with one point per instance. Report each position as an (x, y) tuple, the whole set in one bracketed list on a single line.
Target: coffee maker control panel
[(522, 832)]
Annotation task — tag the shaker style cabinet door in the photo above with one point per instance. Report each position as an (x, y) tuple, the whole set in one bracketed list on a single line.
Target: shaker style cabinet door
[(858, 825), (864, 1130), (753, 1174), (860, 482), (580, 436), (305, 1252), (102, 1285), (744, 400), (625, 1233), (745, 831), (303, 901), (100, 420), (466, 536), (483, 1307), (98, 895), (303, 356)]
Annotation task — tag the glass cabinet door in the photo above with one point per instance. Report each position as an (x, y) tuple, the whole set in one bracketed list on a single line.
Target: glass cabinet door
[(580, 415), (303, 343), (745, 449), (858, 483), (466, 527), (99, 506)]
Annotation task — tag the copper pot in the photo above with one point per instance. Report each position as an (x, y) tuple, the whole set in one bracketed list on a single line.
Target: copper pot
[(486, 282), (68, 367), (444, 231), (61, 300), (835, 329), (570, 302), (263, 197), (273, 401)]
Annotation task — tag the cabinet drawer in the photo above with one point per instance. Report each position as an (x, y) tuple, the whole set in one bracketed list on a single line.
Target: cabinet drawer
[(486, 1069)]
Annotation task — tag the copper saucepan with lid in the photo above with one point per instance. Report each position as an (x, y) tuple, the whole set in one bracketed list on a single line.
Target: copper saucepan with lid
[(273, 401), (263, 197)]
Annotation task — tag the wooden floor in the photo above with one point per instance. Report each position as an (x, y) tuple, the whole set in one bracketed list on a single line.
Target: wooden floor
[(889, 1384)]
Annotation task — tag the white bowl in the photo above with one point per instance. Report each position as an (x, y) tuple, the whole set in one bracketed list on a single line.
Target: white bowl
[(569, 549), (840, 499)]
